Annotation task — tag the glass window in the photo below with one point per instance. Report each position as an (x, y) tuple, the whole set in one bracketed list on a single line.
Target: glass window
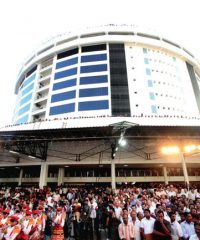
[(153, 109), (26, 99), (64, 84), (152, 96), (120, 104), (93, 79), (28, 89), (150, 83), (93, 105), (94, 58), (28, 80), (91, 92), (146, 60), (66, 73), (67, 108), (93, 48), (22, 120), (67, 63), (148, 71), (24, 109), (63, 96), (145, 50), (67, 53), (31, 71), (94, 68)]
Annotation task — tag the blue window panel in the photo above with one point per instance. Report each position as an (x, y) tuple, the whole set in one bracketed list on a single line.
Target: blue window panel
[(67, 108), (146, 60), (24, 109), (67, 63), (91, 92), (29, 80), (22, 120), (66, 73), (148, 71), (145, 50), (63, 96), (94, 58), (93, 105), (28, 89), (26, 99), (64, 84), (94, 79), (94, 68), (153, 109), (152, 96), (150, 83)]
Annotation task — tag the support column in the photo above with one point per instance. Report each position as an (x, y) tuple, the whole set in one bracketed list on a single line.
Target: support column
[(113, 183), (20, 177), (43, 175), (184, 168), (61, 174), (165, 174)]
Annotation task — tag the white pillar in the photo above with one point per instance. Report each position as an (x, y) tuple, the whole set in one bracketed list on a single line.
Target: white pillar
[(184, 169), (61, 174), (20, 177), (113, 183), (165, 174), (43, 175)]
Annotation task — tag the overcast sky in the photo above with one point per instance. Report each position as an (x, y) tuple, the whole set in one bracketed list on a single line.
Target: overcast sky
[(25, 24)]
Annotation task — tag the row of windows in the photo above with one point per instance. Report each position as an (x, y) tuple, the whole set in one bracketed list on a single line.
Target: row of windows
[(91, 92), (150, 71), (88, 58), (84, 69), (83, 81), (74, 51), (83, 106), (147, 50)]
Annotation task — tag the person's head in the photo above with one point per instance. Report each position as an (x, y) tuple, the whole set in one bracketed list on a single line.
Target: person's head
[(160, 215), (188, 217), (13, 220), (125, 219), (133, 215), (147, 213), (172, 216)]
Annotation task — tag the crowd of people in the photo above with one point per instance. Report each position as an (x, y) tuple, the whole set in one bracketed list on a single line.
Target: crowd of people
[(156, 212)]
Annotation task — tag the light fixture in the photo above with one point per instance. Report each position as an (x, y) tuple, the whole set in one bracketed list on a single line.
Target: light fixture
[(66, 166), (125, 165), (13, 152), (31, 156), (170, 150)]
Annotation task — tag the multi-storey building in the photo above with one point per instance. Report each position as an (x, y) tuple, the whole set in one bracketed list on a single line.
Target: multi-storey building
[(100, 76)]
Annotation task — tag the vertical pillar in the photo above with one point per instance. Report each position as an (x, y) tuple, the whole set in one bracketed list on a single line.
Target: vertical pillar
[(184, 168), (20, 177), (43, 175), (113, 183), (165, 174), (61, 174)]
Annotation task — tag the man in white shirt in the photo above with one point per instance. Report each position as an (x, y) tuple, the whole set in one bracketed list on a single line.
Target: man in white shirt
[(136, 225), (176, 230), (147, 225)]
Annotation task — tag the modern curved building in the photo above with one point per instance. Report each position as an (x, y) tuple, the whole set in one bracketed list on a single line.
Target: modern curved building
[(109, 70), (83, 91)]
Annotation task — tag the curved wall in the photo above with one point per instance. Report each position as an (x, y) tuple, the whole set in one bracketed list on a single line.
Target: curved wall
[(110, 71)]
